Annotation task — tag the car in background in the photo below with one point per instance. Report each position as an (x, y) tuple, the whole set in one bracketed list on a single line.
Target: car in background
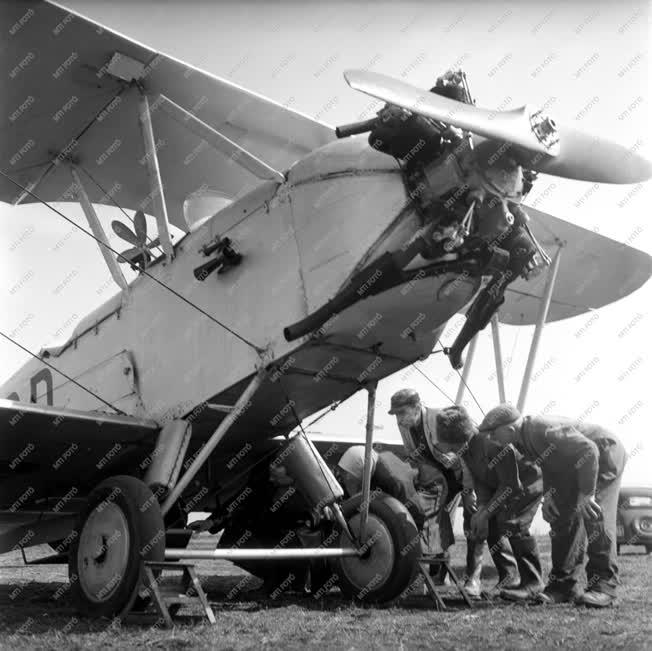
[(634, 523)]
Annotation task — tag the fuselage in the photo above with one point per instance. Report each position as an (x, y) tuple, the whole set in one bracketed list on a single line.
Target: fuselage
[(151, 354)]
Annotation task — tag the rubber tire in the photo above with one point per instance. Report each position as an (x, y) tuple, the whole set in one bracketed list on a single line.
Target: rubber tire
[(146, 533), (403, 533)]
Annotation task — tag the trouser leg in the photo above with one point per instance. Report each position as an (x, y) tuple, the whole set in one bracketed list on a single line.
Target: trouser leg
[(516, 523), (501, 554), (474, 552), (602, 567), (567, 539)]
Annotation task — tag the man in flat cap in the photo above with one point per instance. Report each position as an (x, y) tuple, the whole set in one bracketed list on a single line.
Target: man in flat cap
[(508, 491), (438, 467), (582, 466)]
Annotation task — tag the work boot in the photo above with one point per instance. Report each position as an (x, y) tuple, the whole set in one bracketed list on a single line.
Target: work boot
[(522, 593), (551, 596), (595, 599)]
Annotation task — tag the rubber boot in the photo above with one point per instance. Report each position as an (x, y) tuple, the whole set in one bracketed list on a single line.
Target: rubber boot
[(528, 561), (474, 553), (506, 564)]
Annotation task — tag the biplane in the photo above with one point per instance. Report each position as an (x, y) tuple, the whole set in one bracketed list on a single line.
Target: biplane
[(336, 259)]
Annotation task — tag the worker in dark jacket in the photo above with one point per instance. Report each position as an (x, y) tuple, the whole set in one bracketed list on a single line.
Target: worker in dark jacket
[(582, 466), (507, 501), (418, 427), (388, 474)]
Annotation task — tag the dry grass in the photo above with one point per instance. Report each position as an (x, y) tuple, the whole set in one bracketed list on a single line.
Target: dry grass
[(31, 618)]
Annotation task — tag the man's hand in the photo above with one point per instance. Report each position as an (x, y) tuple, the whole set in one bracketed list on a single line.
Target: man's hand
[(549, 509), (469, 501), (480, 524), (589, 509)]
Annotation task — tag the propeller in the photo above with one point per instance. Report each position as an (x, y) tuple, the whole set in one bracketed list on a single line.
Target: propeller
[(538, 142), (139, 254)]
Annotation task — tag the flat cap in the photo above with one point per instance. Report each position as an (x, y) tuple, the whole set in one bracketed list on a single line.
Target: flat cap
[(504, 414), (404, 398)]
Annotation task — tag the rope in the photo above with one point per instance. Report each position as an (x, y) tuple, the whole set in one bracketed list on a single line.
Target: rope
[(145, 273), (62, 373)]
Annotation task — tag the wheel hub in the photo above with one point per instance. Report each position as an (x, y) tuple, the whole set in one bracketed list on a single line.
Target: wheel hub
[(103, 551), (373, 567)]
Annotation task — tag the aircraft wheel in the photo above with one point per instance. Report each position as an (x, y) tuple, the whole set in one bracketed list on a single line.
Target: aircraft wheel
[(390, 564), (120, 527)]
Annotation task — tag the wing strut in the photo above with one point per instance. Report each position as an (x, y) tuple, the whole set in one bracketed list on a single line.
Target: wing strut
[(98, 230), (466, 371), (541, 320), (157, 194), (498, 354), (215, 438)]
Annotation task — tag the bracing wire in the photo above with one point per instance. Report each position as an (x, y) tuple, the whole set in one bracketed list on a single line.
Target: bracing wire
[(144, 272)]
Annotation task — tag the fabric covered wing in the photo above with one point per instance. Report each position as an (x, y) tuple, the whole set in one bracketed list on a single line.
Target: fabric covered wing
[(27, 425), (59, 100), (593, 271)]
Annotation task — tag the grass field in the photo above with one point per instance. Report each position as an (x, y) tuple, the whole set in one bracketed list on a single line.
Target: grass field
[(35, 613)]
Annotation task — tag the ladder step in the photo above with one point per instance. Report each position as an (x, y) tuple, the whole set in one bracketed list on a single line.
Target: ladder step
[(180, 599), (169, 565), (224, 408), (164, 596)]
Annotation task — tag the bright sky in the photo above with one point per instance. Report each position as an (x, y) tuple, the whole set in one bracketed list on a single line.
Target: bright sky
[(583, 58)]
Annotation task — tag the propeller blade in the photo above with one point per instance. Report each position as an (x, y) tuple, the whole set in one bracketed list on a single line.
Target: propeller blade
[(537, 142), (585, 157), (516, 126), (124, 232), (140, 225)]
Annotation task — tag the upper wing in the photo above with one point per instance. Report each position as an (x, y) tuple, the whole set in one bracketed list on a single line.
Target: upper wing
[(61, 99), (593, 271)]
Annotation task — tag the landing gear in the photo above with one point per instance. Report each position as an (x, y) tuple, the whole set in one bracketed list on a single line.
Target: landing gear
[(390, 561), (121, 527)]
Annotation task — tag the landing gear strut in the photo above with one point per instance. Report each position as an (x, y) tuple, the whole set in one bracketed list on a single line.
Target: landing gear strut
[(387, 538)]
